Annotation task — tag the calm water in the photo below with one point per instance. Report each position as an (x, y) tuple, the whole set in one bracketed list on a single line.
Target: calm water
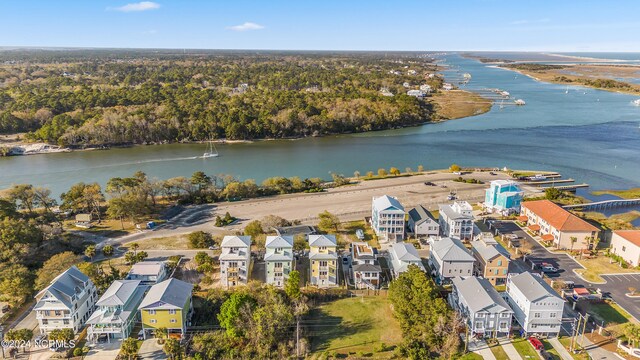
[(592, 136)]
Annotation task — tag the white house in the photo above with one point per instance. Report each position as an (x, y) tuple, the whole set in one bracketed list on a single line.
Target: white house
[(486, 313), (536, 306), (426, 88), (117, 311), (387, 218), (364, 266), (416, 93), (626, 244), (148, 272), (235, 260), (447, 86), (449, 258), (66, 303), (401, 255), (278, 259), (456, 220), (422, 223)]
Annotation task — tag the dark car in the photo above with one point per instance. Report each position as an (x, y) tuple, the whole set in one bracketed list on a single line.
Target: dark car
[(429, 183)]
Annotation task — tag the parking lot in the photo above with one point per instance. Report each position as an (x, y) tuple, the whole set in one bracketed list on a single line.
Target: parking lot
[(616, 286)]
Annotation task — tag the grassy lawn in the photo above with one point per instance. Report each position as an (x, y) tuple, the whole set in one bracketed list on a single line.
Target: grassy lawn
[(348, 232), (615, 222), (354, 325), (549, 349), (118, 263), (608, 312), (498, 352), (470, 356), (566, 341), (600, 265), (524, 348), (632, 193)]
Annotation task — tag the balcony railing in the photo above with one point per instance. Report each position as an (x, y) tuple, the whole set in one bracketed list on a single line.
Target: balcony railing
[(52, 316)]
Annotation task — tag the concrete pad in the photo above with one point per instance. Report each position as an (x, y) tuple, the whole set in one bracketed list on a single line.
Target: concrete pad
[(509, 349), (105, 351), (150, 350), (481, 348)]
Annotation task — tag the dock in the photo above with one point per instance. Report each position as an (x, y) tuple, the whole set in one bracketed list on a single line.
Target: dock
[(571, 188), (547, 182), (603, 205)]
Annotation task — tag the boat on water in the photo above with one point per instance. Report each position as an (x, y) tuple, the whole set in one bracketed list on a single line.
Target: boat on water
[(520, 102), (636, 102), (211, 151)]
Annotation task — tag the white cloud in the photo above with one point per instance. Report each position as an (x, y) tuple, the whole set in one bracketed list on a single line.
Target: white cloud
[(246, 27), (140, 6), (527, 22)]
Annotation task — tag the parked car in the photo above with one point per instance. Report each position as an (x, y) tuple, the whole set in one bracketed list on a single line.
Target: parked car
[(429, 183), (6, 308), (492, 173), (214, 247), (360, 234), (141, 335), (548, 268), (536, 343)]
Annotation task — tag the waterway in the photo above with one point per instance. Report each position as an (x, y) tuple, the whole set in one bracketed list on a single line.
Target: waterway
[(589, 135)]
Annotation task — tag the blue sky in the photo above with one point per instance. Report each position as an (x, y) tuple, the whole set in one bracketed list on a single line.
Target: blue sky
[(559, 25)]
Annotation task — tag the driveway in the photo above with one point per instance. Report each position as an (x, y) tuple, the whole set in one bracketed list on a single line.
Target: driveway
[(150, 350), (481, 348), (616, 285), (105, 351)]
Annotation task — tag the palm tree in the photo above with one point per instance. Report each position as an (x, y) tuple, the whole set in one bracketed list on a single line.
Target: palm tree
[(172, 348), (161, 334), (573, 241), (135, 247), (129, 348), (90, 251)]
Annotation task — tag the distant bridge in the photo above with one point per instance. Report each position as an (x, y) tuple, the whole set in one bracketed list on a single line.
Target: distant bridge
[(603, 205)]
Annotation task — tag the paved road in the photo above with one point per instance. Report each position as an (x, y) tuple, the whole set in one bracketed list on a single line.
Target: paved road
[(616, 285)]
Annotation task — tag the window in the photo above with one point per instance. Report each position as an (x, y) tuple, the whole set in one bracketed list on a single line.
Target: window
[(58, 313), (536, 315), (65, 321), (480, 315), (278, 265), (152, 312), (624, 248), (323, 263), (153, 321), (499, 262), (323, 273), (45, 322), (553, 315), (173, 321), (172, 311)]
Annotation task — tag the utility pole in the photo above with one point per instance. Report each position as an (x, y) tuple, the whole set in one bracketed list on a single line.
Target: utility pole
[(584, 328), (297, 337), (2, 337), (574, 332)]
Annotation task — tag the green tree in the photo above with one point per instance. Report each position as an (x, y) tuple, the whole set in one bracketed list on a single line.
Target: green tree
[(454, 168), (61, 335), (161, 334), (292, 286), (90, 251), (632, 332), (53, 267), (129, 348), (356, 174), (107, 250), (394, 171), (370, 174), (229, 315), (300, 242), (212, 345), (83, 198), (22, 335), (202, 258), (407, 170), (420, 168), (552, 193), (382, 172), (200, 240), (573, 240), (328, 221), (254, 229), (172, 348), (16, 283), (200, 180)]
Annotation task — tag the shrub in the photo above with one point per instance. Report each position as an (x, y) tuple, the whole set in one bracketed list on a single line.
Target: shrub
[(77, 352), (200, 240)]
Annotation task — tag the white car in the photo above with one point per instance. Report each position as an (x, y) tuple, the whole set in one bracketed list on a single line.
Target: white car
[(360, 234)]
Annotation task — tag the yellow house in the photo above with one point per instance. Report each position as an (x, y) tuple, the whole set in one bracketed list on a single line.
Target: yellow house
[(324, 260), (167, 305), (492, 260)]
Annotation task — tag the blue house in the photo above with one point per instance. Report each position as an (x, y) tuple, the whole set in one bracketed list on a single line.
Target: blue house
[(503, 196)]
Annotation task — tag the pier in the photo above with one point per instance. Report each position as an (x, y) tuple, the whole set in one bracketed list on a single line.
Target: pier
[(604, 205), (571, 188), (547, 182)]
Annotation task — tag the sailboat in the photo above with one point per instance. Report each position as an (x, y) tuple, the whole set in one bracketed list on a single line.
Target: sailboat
[(211, 151), (567, 91)]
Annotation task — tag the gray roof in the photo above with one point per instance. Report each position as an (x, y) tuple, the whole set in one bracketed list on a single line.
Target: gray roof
[(367, 267), (479, 295), (452, 214), (275, 242), (322, 240), (532, 287), (169, 294), (385, 202), (419, 215), (147, 268), (489, 251), (64, 286), (449, 249), (402, 255), (236, 241), (118, 293)]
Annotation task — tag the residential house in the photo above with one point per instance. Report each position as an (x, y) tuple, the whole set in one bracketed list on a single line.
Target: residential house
[(364, 266), (401, 255), (449, 258), (167, 305), (323, 259), (536, 306), (148, 272), (503, 196), (484, 310), (416, 93), (557, 225), (626, 244), (422, 223), (447, 86), (66, 303), (426, 88), (492, 260), (117, 311), (279, 259), (387, 218), (235, 260), (456, 220)]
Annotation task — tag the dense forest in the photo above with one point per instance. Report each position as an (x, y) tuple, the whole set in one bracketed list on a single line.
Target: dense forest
[(80, 98)]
